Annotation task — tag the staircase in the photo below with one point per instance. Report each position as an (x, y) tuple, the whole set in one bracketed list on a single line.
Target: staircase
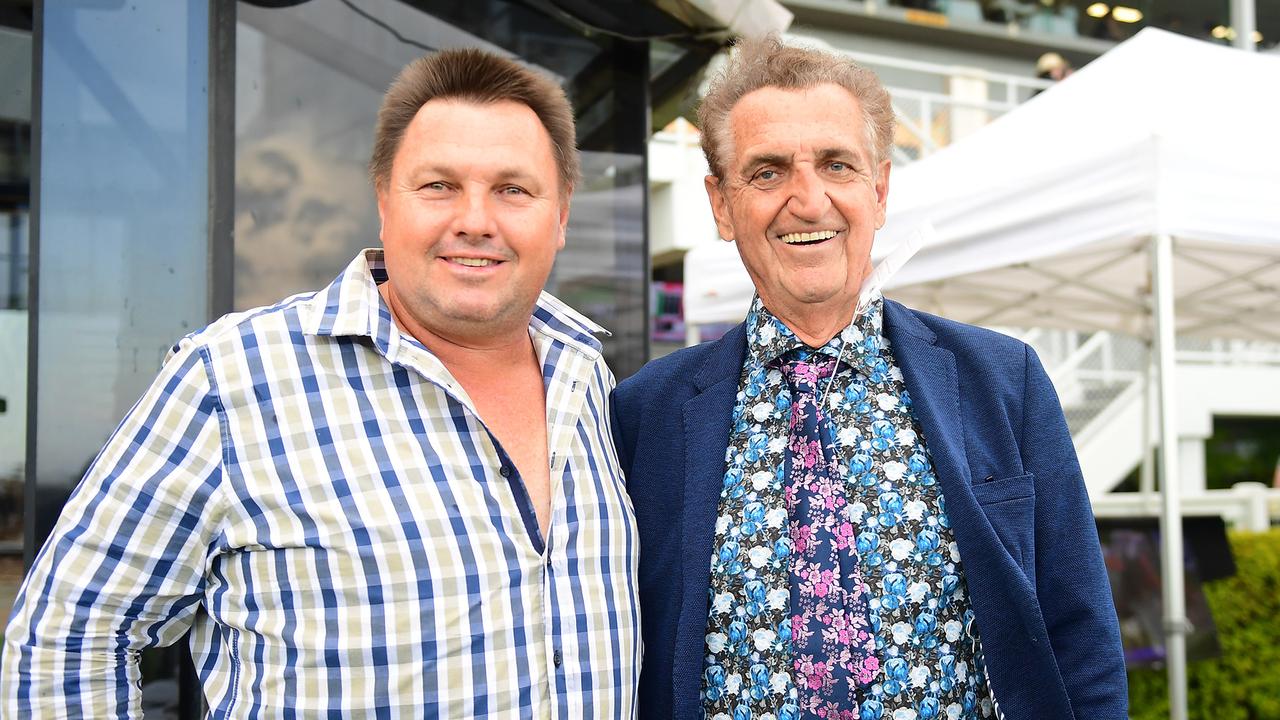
[(1100, 381)]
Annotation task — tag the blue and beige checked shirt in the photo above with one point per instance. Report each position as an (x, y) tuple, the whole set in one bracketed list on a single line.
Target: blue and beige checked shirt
[(313, 495)]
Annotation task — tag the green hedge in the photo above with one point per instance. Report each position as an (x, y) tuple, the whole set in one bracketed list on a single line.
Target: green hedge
[(1244, 683)]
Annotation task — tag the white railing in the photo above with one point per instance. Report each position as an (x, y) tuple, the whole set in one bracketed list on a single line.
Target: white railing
[(1246, 506), (930, 119)]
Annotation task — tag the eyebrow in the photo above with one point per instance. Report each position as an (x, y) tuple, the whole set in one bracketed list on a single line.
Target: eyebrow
[(503, 175), (824, 154)]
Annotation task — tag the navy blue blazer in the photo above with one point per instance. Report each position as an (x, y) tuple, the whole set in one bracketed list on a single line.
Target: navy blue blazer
[(1015, 498)]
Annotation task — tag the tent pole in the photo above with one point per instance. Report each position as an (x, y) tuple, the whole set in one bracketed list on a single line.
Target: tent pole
[(1175, 614), (1244, 20), (1147, 469)]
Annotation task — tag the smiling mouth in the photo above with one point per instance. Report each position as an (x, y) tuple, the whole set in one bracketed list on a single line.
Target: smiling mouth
[(808, 238), (473, 262)]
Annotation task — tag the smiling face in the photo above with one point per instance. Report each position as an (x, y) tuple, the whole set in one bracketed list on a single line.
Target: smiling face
[(802, 197), (472, 218)]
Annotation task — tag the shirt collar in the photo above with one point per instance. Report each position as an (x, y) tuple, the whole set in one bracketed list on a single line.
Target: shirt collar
[(768, 338), (352, 306)]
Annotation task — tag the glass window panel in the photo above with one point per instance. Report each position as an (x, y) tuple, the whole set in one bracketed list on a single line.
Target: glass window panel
[(123, 235), (15, 194)]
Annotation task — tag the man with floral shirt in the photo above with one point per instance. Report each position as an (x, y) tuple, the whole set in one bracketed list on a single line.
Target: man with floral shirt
[(849, 509)]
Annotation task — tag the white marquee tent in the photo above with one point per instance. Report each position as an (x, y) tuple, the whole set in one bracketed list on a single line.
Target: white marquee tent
[(1141, 192)]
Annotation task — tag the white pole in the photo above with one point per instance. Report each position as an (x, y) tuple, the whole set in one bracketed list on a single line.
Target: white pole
[(1147, 470), (1175, 612), (1244, 20)]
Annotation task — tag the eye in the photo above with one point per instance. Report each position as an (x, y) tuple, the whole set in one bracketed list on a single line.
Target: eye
[(514, 190), (838, 166), (767, 177), (436, 186)]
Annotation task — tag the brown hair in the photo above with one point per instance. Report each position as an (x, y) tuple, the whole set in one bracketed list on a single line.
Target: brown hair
[(479, 77), (765, 62)]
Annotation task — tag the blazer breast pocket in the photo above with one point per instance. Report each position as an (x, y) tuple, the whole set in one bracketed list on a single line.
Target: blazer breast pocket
[(1009, 504)]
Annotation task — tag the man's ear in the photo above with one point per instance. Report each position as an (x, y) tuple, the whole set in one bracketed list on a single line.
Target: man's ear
[(563, 227), (381, 194), (719, 207), (882, 192)]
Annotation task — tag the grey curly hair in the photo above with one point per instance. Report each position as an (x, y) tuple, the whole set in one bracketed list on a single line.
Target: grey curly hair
[(766, 62)]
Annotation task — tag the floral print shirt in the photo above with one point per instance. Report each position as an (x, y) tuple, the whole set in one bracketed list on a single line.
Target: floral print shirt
[(928, 653)]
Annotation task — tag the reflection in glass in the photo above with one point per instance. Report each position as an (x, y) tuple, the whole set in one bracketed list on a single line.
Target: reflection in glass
[(123, 234), (309, 81), (15, 194)]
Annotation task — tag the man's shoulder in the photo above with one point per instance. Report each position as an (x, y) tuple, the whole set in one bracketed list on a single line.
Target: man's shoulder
[(662, 375), (228, 333), (960, 338)]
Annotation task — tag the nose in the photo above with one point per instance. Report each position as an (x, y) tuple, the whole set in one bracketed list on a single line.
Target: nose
[(808, 198), (473, 214)]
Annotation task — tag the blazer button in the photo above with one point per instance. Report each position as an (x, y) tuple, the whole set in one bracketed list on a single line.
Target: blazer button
[(505, 471)]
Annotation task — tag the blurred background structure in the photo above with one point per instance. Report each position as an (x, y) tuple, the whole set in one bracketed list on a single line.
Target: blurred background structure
[(165, 161)]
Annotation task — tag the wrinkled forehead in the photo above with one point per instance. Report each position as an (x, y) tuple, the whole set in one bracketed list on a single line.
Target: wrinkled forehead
[(812, 122)]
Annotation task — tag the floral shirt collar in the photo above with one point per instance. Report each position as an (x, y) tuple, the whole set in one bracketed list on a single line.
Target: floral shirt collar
[(769, 338)]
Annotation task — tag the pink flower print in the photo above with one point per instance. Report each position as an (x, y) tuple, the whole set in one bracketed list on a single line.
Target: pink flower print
[(800, 536), (844, 535), (870, 666), (822, 585)]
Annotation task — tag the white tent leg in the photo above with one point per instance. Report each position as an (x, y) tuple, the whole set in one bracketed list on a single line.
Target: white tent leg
[(1147, 470), (1175, 612), (692, 334), (1244, 20)]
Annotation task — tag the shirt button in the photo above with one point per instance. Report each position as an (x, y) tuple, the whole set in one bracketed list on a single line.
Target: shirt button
[(557, 658), (505, 471)]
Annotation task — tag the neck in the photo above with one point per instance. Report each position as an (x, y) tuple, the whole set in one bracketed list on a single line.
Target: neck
[(495, 350), (816, 325)]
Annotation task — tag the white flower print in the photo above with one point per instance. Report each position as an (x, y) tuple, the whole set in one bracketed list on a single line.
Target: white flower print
[(763, 638), (886, 401), (759, 556), (716, 642), (901, 548), (901, 633), (761, 480), (915, 510), (848, 436), (917, 590), (762, 411), (775, 517), (894, 470), (906, 437)]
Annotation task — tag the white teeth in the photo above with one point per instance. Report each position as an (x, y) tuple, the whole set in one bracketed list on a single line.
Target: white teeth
[(475, 262), (807, 236)]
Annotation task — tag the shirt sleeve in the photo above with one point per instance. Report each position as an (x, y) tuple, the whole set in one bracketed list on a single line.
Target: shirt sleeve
[(124, 566)]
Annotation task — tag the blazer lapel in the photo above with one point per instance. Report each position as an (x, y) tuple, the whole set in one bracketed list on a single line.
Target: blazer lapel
[(708, 417), (930, 375)]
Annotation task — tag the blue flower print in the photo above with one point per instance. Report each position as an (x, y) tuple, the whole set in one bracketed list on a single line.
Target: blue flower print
[(713, 682), (759, 681), (756, 445)]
